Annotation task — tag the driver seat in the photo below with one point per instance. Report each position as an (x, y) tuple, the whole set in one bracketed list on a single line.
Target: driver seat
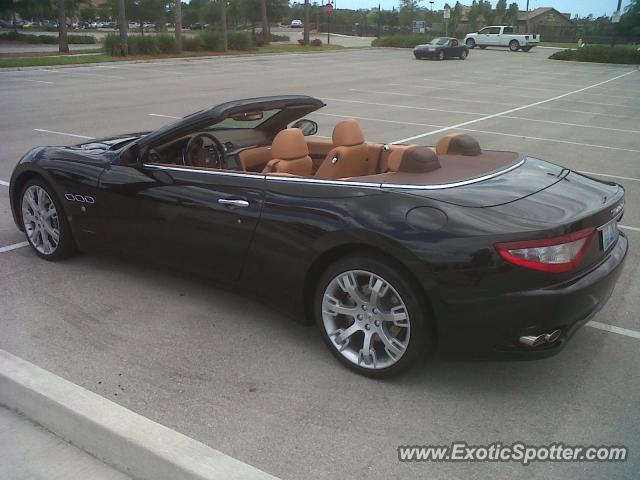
[(350, 155), (290, 154)]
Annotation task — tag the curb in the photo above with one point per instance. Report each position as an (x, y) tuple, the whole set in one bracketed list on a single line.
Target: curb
[(119, 437), (180, 59)]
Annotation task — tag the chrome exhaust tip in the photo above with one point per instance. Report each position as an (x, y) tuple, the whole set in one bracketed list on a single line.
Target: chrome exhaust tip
[(534, 341)]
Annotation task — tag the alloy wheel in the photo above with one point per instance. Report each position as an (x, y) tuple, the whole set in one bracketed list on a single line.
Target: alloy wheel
[(366, 320), (40, 219)]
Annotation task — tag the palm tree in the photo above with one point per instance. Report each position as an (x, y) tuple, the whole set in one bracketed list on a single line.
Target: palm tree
[(177, 13), (63, 45), (124, 26), (223, 22), (265, 20)]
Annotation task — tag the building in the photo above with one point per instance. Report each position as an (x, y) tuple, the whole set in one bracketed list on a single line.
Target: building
[(544, 20)]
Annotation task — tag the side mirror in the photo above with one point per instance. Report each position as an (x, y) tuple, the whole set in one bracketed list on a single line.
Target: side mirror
[(308, 127)]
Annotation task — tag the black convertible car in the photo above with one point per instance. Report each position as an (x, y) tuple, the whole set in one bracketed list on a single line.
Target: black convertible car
[(441, 48), (390, 249)]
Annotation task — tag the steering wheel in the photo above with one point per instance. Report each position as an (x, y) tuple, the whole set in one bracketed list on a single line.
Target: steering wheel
[(199, 155)]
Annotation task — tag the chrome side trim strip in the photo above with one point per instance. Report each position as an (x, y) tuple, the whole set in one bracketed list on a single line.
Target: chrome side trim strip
[(208, 172), (341, 183)]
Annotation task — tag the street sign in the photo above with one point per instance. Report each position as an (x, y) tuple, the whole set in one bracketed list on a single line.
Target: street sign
[(418, 26), (447, 14), (328, 8)]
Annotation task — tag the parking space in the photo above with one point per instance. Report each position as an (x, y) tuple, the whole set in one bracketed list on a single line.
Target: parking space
[(233, 373)]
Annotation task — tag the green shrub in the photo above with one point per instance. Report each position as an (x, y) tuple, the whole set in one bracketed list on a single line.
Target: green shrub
[(192, 44), (409, 40), (111, 44), (166, 43), (212, 40), (600, 54), (239, 41), (46, 39), (139, 45), (278, 38), (316, 42)]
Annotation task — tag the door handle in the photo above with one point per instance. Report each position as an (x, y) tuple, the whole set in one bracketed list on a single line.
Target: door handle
[(233, 203)]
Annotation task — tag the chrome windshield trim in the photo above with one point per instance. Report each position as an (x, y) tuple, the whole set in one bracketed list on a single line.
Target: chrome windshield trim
[(342, 183)]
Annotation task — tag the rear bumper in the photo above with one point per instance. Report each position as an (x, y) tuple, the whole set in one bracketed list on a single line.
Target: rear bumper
[(492, 328)]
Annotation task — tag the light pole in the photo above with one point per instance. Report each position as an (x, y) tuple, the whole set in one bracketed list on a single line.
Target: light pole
[(431, 6), (615, 27), (527, 18)]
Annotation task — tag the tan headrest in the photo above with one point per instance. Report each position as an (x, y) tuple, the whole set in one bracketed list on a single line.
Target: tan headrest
[(289, 144), (414, 159), (347, 134), (458, 144)]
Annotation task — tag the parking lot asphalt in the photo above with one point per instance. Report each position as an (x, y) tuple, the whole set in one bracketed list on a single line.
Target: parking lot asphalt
[(238, 376)]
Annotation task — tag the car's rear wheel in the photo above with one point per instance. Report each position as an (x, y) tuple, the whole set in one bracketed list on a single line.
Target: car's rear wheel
[(514, 46), (45, 224), (463, 54), (471, 43), (526, 49), (482, 47), (440, 55), (371, 316)]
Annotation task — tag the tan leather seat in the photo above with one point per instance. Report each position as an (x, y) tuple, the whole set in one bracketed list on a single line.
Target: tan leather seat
[(290, 154), (349, 157), (458, 144)]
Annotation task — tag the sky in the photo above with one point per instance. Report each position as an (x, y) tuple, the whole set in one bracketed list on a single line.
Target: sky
[(580, 7)]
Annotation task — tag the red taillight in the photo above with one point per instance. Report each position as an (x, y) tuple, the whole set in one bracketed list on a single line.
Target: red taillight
[(558, 254)]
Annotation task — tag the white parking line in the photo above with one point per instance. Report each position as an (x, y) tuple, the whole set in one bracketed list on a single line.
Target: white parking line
[(613, 329), (63, 133), (610, 176), (163, 116), (432, 96), (528, 137), (15, 246), (571, 124), (506, 112), (2, 182), (36, 81), (397, 106)]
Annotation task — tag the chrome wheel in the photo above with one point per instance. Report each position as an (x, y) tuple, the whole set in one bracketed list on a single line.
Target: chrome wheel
[(366, 320), (40, 219)]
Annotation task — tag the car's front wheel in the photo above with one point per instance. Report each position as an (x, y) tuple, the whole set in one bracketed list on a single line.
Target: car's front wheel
[(440, 55), (372, 317), (471, 43), (463, 54), (45, 224)]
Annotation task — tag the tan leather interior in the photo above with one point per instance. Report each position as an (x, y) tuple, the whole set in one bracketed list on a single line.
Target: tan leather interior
[(350, 155), (458, 144), (254, 159), (290, 154), (414, 159)]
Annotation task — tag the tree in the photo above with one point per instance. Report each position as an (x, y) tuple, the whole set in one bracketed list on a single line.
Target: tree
[(63, 46), (408, 10), (630, 21), (223, 23), (511, 17), (480, 14), (177, 14), (500, 12), (265, 20), (124, 27), (454, 20)]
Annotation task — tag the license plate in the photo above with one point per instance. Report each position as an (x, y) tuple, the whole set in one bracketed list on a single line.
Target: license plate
[(609, 234)]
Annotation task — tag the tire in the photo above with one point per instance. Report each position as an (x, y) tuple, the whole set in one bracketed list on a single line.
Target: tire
[(418, 57), (471, 43), (526, 49), (463, 54), (43, 218), (514, 46), (397, 333), (440, 55), (482, 47)]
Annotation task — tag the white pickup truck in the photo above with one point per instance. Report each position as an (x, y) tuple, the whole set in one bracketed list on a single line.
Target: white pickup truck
[(502, 36)]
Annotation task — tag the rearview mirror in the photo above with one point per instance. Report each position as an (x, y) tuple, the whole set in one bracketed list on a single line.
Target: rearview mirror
[(308, 127), (247, 116)]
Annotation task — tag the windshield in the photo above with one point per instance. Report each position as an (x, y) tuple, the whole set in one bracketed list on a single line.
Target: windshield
[(439, 41), (231, 122)]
